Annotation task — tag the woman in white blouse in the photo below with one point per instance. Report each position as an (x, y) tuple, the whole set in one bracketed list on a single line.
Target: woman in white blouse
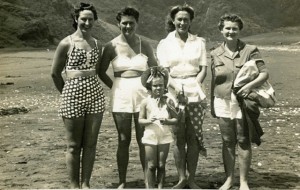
[(184, 55)]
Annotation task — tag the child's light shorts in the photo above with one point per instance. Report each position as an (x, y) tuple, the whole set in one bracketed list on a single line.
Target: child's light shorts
[(157, 134)]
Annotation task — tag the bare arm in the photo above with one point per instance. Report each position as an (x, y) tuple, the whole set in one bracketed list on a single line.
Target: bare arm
[(103, 65), (59, 62), (202, 74), (143, 120), (152, 61)]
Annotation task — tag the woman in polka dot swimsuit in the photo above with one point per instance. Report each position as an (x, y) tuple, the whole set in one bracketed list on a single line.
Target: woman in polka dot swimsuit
[(82, 99)]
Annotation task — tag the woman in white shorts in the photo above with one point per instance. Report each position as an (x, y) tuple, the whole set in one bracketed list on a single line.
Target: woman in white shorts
[(129, 56)]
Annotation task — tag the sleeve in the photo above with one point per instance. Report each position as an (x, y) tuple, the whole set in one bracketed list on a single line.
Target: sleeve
[(162, 53), (203, 59), (255, 55)]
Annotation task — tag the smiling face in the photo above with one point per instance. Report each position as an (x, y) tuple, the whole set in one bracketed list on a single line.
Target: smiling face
[(128, 25), (182, 22), (157, 87), (230, 31), (85, 20)]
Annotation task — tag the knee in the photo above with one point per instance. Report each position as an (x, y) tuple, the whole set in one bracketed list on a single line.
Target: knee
[(151, 166), (244, 143), (161, 166), (229, 142), (124, 142)]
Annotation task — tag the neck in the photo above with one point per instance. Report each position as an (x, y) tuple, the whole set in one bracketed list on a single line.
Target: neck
[(232, 45), (129, 39), (80, 34), (182, 36)]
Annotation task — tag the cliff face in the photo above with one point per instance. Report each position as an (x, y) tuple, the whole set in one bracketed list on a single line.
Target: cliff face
[(43, 23)]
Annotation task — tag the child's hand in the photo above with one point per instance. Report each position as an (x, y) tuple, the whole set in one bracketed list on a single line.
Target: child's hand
[(153, 119), (163, 121)]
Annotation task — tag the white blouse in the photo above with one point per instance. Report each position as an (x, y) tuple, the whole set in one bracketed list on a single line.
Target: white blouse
[(182, 61)]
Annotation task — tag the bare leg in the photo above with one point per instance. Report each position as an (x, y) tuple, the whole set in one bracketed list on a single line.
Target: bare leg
[(123, 124), (139, 131), (74, 128), (163, 151), (151, 165), (245, 155), (192, 154), (180, 156), (91, 131), (228, 131)]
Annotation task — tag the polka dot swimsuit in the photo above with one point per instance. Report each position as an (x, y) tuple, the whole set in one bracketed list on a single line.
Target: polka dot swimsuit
[(82, 95)]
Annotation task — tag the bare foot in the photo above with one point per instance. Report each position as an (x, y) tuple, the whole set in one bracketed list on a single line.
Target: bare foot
[(85, 186), (181, 184), (75, 186), (193, 185), (244, 186), (122, 186), (227, 185)]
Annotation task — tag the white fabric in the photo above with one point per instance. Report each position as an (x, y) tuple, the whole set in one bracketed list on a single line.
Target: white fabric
[(127, 94), (249, 72), (182, 61), (227, 108)]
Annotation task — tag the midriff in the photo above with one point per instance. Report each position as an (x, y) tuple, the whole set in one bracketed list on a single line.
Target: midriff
[(128, 74)]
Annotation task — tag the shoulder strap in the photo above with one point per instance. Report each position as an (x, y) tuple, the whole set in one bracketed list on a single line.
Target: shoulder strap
[(140, 44), (96, 43), (72, 45)]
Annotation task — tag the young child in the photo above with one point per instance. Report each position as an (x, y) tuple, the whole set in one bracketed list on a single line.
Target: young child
[(157, 114)]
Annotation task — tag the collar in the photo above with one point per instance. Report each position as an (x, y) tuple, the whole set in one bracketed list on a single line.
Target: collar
[(221, 50), (171, 36)]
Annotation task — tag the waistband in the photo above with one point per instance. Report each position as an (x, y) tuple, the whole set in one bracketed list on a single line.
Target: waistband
[(80, 73), (184, 76)]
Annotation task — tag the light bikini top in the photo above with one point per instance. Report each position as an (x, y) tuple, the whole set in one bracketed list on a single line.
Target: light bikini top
[(124, 63)]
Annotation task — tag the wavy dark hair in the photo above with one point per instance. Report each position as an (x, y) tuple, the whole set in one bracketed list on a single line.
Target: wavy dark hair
[(173, 11), (82, 7), (128, 11), (230, 17)]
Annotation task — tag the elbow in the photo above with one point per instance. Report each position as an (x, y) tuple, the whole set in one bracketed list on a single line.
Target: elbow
[(55, 76)]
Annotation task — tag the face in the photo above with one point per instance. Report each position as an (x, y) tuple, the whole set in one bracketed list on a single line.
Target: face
[(128, 25), (230, 31), (85, 20), (158, 87), (182, 22)]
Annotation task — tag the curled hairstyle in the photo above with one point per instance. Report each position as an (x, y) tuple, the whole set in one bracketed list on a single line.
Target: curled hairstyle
[(155, 73), (232, 18), (173, 11), (128, 11), (82, 7)]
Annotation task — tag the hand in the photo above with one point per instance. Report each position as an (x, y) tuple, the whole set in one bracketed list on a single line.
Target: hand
[(152, 119), (163, 121), (244, 91)]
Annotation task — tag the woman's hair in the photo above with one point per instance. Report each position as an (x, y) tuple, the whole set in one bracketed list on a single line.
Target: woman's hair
[(82, 7), (173, 11), (128, 11), (232, 18)]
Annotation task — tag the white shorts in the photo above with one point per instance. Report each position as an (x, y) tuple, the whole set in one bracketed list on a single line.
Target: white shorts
[(127, 94), (227, 108), (157, 134)]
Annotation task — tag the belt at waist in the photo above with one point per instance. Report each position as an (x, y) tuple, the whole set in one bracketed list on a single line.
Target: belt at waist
[(80, 73), (184, 76)]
